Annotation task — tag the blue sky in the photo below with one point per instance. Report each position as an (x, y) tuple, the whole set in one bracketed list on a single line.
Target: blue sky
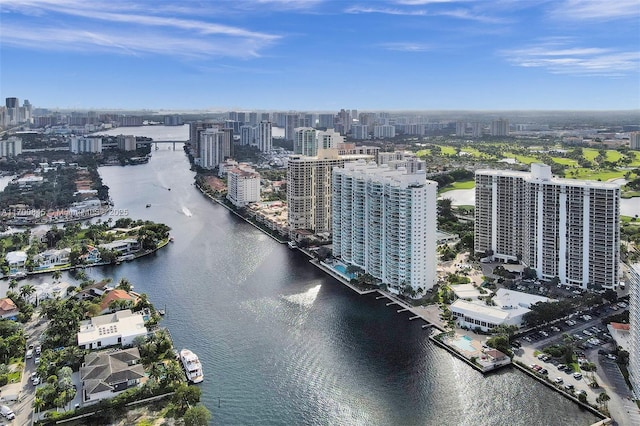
[(322, 54)]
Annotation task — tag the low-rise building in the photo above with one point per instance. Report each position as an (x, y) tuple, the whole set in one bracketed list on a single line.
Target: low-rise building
[(126, 246), (119, 328), (509, 308), (51, 258), (106, 374), (16, 260), (115, 296)]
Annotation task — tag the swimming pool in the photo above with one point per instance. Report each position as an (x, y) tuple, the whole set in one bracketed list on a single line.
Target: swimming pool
[(464, 343), (343, 270)]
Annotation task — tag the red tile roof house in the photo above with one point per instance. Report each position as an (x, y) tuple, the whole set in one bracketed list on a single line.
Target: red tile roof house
[(113, 296), (8, 309)]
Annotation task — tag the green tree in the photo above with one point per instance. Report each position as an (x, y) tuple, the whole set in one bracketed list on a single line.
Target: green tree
[(197, 416), (185, 397)]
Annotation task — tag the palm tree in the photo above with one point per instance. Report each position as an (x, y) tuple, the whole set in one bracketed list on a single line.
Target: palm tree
[(38, 404), (57, 275), (13, 283), (602, 400), (26, 291)]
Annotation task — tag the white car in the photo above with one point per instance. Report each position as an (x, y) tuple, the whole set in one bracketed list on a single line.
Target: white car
[(558, 380)]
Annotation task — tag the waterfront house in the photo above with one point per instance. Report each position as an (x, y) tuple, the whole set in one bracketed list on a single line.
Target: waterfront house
[(94, 290), (16, 260), (8, 309), (116, 296), (91, 256), (51, 258), (126, 246), (106, 374), (119, 328)]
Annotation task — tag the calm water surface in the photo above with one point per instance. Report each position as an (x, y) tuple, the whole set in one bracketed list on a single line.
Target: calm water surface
[(283, 344)]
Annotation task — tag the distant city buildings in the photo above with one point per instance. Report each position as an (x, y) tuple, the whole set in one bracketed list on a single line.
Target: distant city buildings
[(634, 140), (384, 131), (384, 221), (83, 145), (10, 147), (500, 127), (126, 142), (215, 147), (265, 136), (561, 228)]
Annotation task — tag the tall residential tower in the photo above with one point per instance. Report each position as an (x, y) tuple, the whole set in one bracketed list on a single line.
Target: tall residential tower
[(562, 228)]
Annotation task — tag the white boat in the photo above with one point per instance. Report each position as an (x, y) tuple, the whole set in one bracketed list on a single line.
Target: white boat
[(192, 366)]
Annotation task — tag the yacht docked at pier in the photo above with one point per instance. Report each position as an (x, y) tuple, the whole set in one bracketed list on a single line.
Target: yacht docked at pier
[(192, 366)]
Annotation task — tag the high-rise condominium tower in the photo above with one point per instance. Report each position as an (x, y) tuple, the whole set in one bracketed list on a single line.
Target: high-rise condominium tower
[(309, 189), (384, 221), (562, 228), (634, 327)]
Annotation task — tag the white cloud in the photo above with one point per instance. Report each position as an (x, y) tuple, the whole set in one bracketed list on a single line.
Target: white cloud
[(558, 57), (597, 9), (385, 11), (128, 30), (406, 46)]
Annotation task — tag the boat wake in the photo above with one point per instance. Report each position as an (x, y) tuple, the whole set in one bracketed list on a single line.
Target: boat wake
[(305, 299), (187, 212)]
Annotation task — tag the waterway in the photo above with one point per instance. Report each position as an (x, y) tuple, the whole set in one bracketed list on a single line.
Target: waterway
[(282, 343)]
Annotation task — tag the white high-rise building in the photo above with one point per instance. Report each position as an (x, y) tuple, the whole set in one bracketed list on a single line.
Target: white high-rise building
[(384, 131), (500, 127), (634, 140), (326, 121), (328, 139), (215, 146), (562, 228), (360, 131), (304, 141), (384, 221), (10, 147), (634, 328), (248, 135), (402, 159), (265, 136), (309, 189), (126, 142), (80, 145), (243, 185)]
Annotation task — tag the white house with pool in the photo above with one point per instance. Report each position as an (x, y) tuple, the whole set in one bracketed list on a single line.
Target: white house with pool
[(510, 307)]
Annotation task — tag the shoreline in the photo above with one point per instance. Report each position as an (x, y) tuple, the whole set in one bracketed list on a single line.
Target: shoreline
[(72, 268), (408, 308)]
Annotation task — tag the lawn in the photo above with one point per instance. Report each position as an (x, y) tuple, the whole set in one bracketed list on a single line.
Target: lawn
[(613, 155), (447, 150), (524, 159), (565, 161), (476, 153), (635, 158), (466, 184), (590, 153), (590, 174), (423, 152)]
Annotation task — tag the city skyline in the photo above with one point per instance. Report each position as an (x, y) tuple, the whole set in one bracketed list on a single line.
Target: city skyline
[(323, 55)]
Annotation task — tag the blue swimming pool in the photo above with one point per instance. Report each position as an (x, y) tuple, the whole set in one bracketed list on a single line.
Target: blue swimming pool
[(343, 270), (464, 343)]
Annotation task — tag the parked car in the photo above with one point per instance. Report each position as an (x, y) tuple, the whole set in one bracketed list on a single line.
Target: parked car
[(558, 380), (577, 376)]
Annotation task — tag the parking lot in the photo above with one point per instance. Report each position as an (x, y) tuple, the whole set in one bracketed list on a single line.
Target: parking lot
[(593, 344)]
